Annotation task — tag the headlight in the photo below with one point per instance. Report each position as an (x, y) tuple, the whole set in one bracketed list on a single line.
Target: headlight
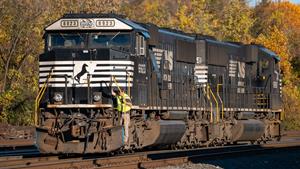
[(58, 97), (97, 97)]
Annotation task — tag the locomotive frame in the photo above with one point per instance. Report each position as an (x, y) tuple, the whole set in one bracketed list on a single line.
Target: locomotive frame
[(188, 90)]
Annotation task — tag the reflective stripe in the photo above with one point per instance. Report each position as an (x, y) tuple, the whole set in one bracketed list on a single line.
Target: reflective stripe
[(124, 103), (119, 104)]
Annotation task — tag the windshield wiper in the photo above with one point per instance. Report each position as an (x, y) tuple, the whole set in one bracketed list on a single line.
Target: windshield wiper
[(81, 37), (107, 43)]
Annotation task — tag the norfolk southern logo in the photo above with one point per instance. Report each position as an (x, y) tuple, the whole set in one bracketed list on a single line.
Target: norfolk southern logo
[(86, 23), (81, 73)]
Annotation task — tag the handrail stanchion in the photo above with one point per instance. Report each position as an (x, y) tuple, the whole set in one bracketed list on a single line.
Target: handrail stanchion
[(40, 96), (211, 106), (222, 105), (217, 103)]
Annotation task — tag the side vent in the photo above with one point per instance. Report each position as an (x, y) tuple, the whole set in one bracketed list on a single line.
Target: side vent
[(185, 51), (251, 52), (153, 30)]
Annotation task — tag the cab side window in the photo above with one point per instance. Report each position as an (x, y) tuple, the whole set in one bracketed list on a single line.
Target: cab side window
[(140, 44)]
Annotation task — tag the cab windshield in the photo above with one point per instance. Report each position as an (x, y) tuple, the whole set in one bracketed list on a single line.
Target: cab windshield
[(66, 40), (109, 39), (91, 40)]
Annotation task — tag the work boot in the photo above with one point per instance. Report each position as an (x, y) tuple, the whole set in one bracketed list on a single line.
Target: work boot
[(126, 146)]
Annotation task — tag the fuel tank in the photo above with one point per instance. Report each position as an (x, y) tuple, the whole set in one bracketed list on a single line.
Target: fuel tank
[(174, 115), (163, 132), (248, 130)]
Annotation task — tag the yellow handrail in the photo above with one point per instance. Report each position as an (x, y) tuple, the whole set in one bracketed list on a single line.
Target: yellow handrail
[(217, 104), (39, 97), (282, 115), (128, 83), (211, 106), (115, 80), (221, 101)]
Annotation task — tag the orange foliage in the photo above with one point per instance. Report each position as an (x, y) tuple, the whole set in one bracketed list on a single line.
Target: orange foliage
[(286, 17), (288, 13), (279, 25), (276, 41), (281, 32)]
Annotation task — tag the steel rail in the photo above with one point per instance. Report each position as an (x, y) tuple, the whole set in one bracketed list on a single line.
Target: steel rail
[(25, 152), (149, 159)]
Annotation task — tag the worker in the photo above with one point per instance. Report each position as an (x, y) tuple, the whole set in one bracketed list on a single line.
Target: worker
[(123, 106)]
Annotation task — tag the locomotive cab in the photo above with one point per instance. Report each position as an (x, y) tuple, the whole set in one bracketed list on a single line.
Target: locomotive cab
[(86, 57)]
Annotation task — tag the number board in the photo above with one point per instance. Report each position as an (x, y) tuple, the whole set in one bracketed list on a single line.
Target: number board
[(69, 23), (89, 24), (105, 23)]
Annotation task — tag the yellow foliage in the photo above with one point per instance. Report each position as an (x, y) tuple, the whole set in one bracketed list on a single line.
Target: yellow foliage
[(3, 36), (277, 41), (184, 20), (193, 17), (280, 23), (286, 17), (148, 11), (234, 22), (289, 14), (291, 106)]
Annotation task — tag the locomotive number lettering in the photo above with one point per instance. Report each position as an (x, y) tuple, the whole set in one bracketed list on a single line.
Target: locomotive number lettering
[(105, 23), (69, 23)]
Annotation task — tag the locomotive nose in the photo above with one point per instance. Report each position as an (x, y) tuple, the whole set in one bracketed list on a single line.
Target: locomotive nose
[(83, 69)]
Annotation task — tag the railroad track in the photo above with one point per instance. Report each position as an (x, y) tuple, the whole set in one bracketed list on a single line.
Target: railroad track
[(24, 151), (149, 159)]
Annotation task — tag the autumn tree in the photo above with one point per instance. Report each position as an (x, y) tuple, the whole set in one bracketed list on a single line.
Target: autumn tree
[(21, 31), (149, 11), (192, 16), (277, 28), (233, 19), (286, 17), (57, 8), (21, 43)]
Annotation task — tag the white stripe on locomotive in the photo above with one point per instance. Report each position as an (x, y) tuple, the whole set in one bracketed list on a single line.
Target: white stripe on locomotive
[(70, 62), (122, 70), (124, 85)]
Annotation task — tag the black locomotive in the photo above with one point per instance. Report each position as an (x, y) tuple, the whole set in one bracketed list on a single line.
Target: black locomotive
[(188, 90)]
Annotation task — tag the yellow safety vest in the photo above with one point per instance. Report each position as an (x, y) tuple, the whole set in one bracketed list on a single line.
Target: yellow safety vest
[(124, 103), (119, 104)]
